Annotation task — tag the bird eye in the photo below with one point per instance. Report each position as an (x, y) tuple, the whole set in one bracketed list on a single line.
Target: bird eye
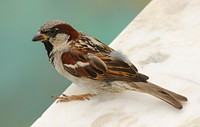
[(53, 31)]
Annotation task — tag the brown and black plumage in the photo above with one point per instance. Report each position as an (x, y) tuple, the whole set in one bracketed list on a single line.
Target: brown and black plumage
[(88, 62)]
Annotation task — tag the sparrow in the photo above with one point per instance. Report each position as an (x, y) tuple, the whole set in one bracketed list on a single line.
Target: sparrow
[(91, 64)]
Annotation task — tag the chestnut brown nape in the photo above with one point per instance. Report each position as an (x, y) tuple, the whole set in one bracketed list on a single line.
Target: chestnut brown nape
[(69, 30)]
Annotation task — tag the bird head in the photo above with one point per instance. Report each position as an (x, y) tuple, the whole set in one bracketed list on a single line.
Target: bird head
[(55, 33)]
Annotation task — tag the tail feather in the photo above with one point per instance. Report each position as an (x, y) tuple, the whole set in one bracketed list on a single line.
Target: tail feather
[(175, 95), (170, 97)]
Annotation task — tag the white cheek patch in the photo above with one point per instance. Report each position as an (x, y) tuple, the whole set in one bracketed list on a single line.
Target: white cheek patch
[(59, 39), (51, 40), (62, 37), (60, 42)]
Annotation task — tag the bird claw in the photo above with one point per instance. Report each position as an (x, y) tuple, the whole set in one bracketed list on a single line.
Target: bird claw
[(65, 98)]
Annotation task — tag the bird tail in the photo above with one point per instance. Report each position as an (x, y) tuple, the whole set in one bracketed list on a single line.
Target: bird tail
[(170, 97)]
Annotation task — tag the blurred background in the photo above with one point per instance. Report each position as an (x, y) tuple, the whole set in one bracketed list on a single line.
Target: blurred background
[(27, 79)]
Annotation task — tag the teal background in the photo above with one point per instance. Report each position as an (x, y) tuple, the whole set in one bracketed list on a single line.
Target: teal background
[(27, 80)]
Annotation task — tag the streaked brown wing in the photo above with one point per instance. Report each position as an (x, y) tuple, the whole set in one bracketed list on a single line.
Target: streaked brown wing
[(83, 65), (100, 66), (119, 70)]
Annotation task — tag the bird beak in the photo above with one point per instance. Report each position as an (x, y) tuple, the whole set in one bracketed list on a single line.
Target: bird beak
[(40, 37)]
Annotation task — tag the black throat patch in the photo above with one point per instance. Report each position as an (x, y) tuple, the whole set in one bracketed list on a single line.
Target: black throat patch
[(48, 47)]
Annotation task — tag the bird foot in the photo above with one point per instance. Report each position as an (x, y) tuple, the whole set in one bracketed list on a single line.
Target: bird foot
[(65, 98)]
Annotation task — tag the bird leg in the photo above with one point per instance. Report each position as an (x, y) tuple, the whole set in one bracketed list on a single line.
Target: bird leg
[(65, 98)]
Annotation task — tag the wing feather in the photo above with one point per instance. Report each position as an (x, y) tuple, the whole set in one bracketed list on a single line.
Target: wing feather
[(83, 65), (90, 58), (100, 66)]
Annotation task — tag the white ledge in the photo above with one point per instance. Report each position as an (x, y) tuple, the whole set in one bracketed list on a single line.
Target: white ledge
[(164, 43)]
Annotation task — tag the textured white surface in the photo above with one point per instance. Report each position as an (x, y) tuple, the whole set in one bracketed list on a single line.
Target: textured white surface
[(164, 43)]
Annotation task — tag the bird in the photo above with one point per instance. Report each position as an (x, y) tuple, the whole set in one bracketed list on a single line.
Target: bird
[(94, 66)]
